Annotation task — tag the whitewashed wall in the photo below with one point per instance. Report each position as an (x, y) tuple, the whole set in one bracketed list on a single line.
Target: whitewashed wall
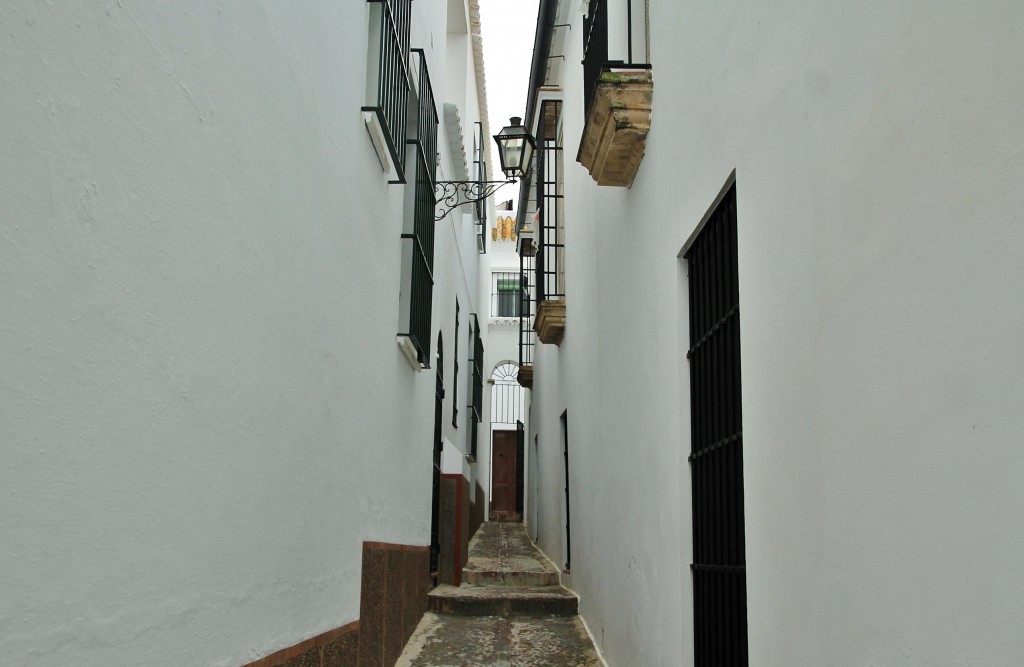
[(203, 412), (877, 152)]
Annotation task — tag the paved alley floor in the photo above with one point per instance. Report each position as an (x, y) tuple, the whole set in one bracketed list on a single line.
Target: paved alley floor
[(511, 611), (476, 641)]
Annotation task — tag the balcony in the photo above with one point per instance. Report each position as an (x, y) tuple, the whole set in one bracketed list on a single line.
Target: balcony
[(615, 134)]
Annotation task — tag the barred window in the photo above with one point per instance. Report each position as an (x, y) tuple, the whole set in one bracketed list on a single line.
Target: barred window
[(550, 264), (388, 80), (418, 237), (480, 211), (455, 374), (507, 290), (476, 407)]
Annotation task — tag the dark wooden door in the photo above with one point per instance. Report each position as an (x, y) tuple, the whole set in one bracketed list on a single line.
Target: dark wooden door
[(503, 474)]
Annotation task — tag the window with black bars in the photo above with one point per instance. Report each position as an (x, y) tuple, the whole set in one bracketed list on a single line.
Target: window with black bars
[(476, 407), (393, 77), (507, 298), (550, 261), (527, 336), (423, 140), (455, 373), (438, 449), (716, 437), (596, 57), (480, 207)]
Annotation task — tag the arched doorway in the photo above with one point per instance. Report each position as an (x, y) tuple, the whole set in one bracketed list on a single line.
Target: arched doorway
[(507, 443)]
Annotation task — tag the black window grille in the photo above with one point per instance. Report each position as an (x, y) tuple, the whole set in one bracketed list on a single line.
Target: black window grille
[(507, 298), (480, 207), (455, 373), (596, 56), (435, 502), (527, 336), (393, 81), (550, 261), (423, 138), (716, 436), (568, 524), (476, 408)]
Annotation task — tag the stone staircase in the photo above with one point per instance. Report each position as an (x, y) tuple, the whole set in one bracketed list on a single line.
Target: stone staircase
[(505, 576), (510, 611)]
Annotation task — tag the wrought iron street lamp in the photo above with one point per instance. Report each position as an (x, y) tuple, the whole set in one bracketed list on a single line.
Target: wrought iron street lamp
[(515, 150)]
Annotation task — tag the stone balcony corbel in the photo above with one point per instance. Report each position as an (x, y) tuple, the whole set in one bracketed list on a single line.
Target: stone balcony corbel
[(614, 137), (550, 321)]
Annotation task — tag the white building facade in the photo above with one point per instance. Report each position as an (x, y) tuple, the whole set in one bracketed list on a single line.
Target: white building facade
[(215, 453), (831, 191)]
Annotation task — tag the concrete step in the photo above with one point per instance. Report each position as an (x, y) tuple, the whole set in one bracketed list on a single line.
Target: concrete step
[(501, 600)]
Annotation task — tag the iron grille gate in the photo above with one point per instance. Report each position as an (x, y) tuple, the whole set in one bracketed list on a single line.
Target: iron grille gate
[(716, 458)]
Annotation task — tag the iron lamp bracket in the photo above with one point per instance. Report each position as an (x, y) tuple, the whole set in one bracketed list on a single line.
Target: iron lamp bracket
[(452, 194)]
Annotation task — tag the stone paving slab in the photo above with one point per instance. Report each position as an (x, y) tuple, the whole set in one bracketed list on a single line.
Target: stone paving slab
[(496, 641), (506, 546), (503, 553)]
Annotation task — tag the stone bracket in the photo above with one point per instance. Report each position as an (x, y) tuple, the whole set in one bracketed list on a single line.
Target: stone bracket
[(615, 135), (550, 322)]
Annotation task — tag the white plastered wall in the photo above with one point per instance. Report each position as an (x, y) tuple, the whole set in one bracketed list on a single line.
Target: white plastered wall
[(877, 151), (203, 412)]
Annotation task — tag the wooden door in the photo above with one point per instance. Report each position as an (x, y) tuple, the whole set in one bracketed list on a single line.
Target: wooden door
[(503, 475)]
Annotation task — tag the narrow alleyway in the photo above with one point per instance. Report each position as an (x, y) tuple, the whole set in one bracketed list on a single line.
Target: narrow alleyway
[(510, 611)]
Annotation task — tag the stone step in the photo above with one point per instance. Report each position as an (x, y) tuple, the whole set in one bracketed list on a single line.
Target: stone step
[(509, 572), (503, 601)]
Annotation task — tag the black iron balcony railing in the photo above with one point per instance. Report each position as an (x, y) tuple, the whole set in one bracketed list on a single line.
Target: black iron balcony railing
[(391, 104), (424, 162), (596, 56), (550, 263), (595, 48)]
